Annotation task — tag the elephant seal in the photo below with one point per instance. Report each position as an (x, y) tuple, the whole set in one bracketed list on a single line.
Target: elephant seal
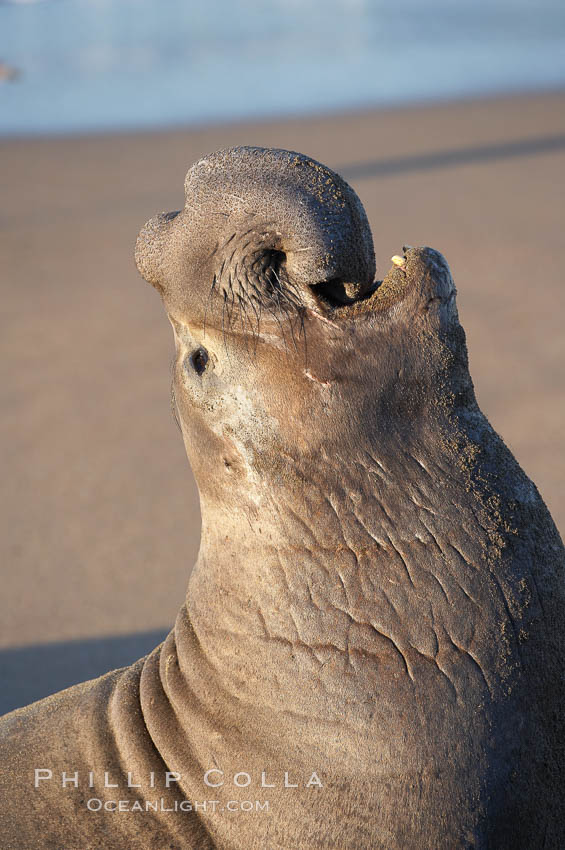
[(372, 640)]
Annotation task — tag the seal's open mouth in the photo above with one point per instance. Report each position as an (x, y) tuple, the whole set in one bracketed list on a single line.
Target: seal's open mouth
[(333, 294), (336, 293), (335, 297)]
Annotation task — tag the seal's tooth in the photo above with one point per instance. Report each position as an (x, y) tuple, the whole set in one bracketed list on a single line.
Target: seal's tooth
[(398, 260)]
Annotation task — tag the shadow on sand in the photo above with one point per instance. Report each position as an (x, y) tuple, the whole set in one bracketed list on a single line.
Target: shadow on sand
[(32, 672), (449, 158)]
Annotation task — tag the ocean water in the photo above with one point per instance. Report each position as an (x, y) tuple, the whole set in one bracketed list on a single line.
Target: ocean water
[(87, 65)]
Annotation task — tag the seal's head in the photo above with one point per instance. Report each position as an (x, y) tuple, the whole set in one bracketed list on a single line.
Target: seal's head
[(285, 343)]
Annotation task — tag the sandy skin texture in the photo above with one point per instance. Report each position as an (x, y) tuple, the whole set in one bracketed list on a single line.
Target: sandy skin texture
[(377, 607)]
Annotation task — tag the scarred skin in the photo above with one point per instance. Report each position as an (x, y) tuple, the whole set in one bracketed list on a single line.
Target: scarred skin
[(378, 597)]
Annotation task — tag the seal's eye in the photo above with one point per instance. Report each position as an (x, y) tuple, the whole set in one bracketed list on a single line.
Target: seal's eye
[(199, 360)]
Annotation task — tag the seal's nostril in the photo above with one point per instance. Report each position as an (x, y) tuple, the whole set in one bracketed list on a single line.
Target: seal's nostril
[(199, 360)]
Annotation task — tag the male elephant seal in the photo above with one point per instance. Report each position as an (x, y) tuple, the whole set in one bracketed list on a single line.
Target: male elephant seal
[(372, 640)]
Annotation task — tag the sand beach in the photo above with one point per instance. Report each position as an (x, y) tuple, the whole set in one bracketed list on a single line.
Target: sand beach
[(99, 515)]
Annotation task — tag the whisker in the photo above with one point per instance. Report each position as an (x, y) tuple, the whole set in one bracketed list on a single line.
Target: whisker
[(255, 333), (278, 321), (210, 293), (243, 320), (174, 410), (224, 325)]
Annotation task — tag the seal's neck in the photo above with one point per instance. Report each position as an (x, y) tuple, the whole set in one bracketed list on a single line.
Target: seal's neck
[(360, 557)]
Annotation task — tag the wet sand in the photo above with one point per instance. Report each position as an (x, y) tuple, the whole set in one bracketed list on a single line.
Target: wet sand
[(99, 514)]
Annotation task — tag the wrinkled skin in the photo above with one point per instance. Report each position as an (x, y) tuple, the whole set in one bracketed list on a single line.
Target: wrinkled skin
[(378, 596)]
